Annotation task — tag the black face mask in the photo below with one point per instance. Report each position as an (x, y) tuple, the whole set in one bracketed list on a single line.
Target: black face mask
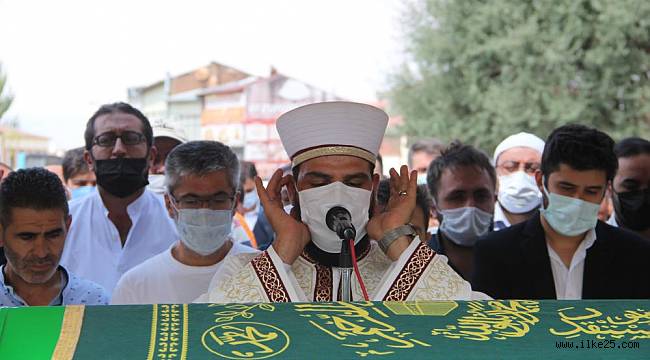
[(121, 177), (632, 209)]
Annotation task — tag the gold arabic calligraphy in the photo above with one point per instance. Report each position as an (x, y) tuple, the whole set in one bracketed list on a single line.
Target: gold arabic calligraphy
[(498, 320), (634, 323), (357, 327)]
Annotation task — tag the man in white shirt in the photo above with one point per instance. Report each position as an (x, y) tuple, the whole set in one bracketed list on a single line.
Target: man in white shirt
[(516, 159), (121, 224), (201, 178), (565, 252)]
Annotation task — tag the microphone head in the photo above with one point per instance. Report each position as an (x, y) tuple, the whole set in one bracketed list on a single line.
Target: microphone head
[(335, 216)]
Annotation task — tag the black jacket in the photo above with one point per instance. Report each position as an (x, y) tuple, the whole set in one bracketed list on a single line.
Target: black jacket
[(514, 264)]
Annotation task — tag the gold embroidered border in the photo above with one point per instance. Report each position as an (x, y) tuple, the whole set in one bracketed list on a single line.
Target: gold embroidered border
[(169, 332), (154, 325), (410, 274), (73, 316), (270, 278), (186, 323), (323, 291), (333, 150)]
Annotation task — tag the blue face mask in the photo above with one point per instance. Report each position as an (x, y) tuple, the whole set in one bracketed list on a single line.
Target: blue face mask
[(569, 216), (251, 200), (81, 191)]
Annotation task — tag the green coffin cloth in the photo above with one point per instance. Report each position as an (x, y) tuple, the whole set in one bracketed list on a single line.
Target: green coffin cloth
[(517, 329)]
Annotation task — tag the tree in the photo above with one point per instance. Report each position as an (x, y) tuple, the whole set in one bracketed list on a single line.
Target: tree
[(480, 70), (5, 99)]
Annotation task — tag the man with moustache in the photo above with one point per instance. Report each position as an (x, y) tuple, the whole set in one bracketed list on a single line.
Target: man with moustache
[(333, 147), (121, 224), (34, 218)]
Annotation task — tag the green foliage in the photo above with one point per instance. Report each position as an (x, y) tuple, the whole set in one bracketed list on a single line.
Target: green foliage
[(5, 99), (482, 70)]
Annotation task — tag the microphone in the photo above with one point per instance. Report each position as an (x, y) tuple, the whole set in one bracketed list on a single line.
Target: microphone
[(339, 220)]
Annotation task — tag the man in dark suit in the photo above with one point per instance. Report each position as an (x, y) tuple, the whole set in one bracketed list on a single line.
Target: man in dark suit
[(564, 252)]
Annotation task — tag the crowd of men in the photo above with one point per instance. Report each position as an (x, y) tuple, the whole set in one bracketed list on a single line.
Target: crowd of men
[(141, 216)]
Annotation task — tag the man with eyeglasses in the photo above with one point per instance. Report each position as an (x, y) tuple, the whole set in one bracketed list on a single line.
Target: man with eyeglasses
[(121, 224), (201, 180), (516, 159)]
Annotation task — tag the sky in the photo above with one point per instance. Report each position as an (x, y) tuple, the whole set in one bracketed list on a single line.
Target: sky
[(65, 58)]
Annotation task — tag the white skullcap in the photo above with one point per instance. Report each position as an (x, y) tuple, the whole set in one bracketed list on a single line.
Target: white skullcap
[(164, 130), (332, 128), (523, 139)]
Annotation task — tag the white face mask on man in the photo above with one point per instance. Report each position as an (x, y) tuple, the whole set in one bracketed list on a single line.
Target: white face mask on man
[(463, 226), (316, 202), (203, 231), (156, 183), (518, 193)]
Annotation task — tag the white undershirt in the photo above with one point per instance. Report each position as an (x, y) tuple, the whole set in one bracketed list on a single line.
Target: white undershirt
[(568, 281), (163, 279)]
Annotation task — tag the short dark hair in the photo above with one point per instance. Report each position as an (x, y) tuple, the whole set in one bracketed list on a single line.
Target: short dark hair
[(631, 146), (422, 198), (74, 163), (33, 188), (431, 146), (580, 147), (118, 107), (200, 158), (457, 154)]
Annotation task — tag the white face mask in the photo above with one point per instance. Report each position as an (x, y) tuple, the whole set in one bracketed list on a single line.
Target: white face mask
[(316, 202), (465, 225), (156, 183), (518, 193), (569, 216), (251, 200), (203, 231), (422, 179)]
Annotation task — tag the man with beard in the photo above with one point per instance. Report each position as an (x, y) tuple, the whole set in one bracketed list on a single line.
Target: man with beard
[(121, 224), (516, 159), (34, 218), (631, 186), (333, 147), (462, 184)]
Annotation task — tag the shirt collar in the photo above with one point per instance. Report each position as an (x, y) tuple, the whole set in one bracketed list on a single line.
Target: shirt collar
[(58, 300), (581, 252), (133, 209), (499, 215)]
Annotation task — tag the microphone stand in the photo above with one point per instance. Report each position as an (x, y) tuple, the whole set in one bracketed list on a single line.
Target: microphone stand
[(345, 264)]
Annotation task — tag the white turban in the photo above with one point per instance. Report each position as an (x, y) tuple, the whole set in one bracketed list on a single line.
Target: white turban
[(523, 139)]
